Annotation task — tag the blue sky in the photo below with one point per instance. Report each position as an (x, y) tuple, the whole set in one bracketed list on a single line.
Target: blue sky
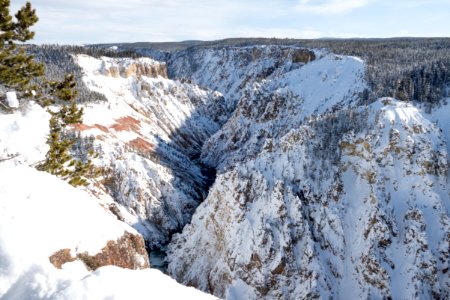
[(101, 21)]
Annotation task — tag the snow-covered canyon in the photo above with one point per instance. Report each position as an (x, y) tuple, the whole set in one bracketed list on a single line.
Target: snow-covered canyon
[(58, 242), (317, 195)]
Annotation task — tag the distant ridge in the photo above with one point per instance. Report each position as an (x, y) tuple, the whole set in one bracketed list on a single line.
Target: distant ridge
[(326, 42)]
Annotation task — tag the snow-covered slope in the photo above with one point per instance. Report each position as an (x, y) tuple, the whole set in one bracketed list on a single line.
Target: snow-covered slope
[(23, 135), (150, 131), (116, 283), (52, 234), (318, 197)]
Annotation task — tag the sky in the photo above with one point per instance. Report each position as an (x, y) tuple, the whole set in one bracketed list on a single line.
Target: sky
[(113, 21)]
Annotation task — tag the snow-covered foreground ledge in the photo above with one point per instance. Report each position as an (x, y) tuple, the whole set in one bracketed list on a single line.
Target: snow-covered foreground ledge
[(116, 283), (40, 215)]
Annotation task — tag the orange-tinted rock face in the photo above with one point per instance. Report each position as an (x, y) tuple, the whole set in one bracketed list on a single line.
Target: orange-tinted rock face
[(113, 71), (123, 68), (126, 252), (141, 146), (127, 124), (83, 127), (142, 69), (61, 257)]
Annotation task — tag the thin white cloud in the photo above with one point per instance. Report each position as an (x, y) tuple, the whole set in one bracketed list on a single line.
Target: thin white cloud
[(329, 6)]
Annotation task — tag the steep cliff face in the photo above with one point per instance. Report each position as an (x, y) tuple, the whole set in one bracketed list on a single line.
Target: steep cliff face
[(319, 197), (304, 219), (123, 67), (149, 133), (230, 70), (270, 108)]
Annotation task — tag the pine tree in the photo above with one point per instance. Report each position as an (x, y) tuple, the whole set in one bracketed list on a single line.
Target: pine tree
[(65, 91), (58, 160), (17, 68)]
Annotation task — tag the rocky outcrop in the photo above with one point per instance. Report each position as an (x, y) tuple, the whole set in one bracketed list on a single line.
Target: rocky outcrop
[(131, 68), (303, 56), (61, 257), (126, 252)]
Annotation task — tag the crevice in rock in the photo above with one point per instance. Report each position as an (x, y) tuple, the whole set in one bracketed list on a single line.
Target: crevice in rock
[(157, 254), (187, 140)]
